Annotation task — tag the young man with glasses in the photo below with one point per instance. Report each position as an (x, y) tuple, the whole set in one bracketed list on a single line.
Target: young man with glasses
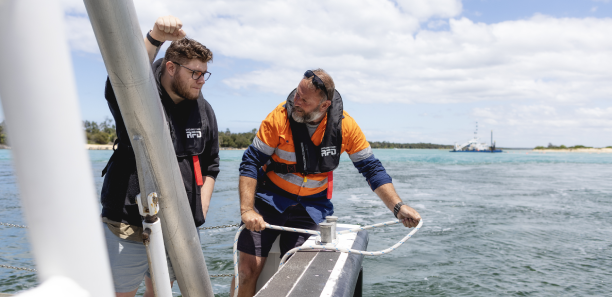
[(180, 76), (286, 174)]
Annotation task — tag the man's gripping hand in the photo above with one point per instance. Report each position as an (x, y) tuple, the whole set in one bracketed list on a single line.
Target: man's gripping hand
[(410, 217), (253, 220), (168, 28)]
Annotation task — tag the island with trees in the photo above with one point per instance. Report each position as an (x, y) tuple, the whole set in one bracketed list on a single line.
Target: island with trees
[(572, 149)]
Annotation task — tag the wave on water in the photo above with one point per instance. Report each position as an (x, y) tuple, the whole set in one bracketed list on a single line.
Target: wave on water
[(494, 224)]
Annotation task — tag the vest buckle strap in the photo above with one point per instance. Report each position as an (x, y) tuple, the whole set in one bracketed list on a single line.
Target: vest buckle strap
[(197, 171)]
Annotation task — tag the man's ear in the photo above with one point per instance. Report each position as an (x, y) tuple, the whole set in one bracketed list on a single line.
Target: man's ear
[(170, 68), (325, 105)]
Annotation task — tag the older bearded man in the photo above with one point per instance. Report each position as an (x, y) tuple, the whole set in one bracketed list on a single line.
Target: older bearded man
[(284, 174)]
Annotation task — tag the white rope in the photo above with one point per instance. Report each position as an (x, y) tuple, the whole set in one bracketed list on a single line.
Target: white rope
[(322, 247), (236, 280), (296, 230), (389, 223), (334, 247)]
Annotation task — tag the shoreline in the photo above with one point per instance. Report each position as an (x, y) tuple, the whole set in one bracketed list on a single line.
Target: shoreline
[(581, 150), (95, 147), (108, 147)]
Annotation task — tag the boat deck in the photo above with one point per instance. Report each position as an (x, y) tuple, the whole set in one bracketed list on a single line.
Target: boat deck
[(319, 273)]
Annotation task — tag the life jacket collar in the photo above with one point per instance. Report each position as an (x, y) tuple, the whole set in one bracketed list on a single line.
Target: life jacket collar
[(312, 159)]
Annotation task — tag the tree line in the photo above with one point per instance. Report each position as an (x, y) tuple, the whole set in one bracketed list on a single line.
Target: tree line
[(563, 147), (105, 133), (2, 134), (237, 140), (420, 145), (100, 133)]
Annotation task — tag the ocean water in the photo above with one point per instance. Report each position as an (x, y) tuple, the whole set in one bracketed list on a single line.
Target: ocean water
[(511, 224)]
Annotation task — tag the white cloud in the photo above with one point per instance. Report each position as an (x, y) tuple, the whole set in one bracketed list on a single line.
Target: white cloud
[(426, 9), (394, 51), (540, 58), (378, 50), (596, 112)]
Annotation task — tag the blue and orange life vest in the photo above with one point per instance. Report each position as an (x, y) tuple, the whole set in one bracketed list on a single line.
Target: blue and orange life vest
[(307, 170)]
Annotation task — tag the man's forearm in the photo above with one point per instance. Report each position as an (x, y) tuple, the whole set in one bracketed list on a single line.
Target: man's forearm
[(247, 186), (388, 195), (406, 214), (151, 49), (206, 193)]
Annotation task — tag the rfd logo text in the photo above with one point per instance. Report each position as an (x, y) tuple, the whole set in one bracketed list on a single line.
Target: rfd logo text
[(194, 133), (328, 151)]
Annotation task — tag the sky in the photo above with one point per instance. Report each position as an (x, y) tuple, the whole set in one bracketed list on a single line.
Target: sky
[(532, 71)]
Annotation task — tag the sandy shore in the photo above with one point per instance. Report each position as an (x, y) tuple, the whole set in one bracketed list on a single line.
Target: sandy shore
[(590, 150)]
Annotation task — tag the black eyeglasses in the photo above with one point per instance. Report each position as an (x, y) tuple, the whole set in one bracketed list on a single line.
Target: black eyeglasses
[(317, 82), (196, 74)]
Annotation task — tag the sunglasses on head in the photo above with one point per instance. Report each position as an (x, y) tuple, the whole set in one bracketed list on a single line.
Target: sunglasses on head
[(317, 82)]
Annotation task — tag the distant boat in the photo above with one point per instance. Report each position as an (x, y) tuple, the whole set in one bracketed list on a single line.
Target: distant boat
[(473, 146)]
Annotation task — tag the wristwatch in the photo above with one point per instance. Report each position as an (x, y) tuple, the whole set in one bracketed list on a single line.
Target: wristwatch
[(154, 41), (397, 207)]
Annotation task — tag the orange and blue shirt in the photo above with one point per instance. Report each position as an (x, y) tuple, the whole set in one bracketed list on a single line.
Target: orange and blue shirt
[(274, 142)]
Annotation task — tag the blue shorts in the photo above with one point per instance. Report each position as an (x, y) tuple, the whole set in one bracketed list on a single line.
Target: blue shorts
[(128, 261), (259, 243)]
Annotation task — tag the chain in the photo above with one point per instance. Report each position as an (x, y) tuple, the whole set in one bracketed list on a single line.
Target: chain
[(34, 270), (221, 275), (203, 228), (12, 225), (17, 268), (219, 227)]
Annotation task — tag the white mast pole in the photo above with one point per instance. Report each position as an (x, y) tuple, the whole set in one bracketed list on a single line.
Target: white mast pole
[(48, 145)]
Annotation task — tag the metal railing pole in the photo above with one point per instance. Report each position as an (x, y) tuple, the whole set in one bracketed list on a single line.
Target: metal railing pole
[(46, 134), (122, 45)]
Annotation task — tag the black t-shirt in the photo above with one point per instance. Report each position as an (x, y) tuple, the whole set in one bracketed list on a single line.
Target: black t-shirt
[(121, 184)]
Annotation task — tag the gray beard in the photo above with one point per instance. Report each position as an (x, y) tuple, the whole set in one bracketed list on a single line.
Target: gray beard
[(307, 118)]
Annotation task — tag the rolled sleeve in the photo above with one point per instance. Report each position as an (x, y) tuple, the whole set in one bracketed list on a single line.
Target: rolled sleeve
[(252, 160), (373, 171)]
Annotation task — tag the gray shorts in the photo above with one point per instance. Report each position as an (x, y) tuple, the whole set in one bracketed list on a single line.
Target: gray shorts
[(128, 261)]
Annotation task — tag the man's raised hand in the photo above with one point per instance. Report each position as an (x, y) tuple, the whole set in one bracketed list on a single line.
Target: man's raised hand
[(168, 28)]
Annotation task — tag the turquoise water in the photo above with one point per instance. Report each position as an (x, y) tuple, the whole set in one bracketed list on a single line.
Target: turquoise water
[(511, 224)]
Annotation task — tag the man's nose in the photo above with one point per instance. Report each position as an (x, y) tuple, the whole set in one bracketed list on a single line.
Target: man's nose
[(201, 80)]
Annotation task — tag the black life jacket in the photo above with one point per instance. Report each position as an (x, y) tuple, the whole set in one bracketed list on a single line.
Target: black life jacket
[(188, 142), (191, 142), (312, 159)]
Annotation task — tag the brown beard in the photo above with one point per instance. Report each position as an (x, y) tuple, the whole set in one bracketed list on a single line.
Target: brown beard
[(181, 90)]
